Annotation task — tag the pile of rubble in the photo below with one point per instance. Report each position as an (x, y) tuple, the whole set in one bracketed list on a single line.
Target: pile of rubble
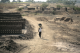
[(8, 46), (65, 19)]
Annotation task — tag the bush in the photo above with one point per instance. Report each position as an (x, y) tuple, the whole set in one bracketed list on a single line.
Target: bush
[(69, 2), (44, 5), (77, 8), (59, 6), (19, 9)]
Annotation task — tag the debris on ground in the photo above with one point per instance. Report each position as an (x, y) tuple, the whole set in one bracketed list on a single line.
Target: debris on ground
[(8, 46)]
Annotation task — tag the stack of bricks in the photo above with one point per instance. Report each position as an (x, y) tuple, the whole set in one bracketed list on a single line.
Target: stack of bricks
[(10, 29), (11, 23)]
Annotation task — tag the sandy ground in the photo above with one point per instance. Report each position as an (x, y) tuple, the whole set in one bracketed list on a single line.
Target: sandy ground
[(37, 44), (13, 10), (47, 43)]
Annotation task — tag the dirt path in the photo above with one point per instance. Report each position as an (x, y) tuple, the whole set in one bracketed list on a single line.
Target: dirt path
[(46, 44), (38, 45)]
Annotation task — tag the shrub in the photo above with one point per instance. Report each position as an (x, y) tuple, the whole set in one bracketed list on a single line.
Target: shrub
[(69, 2), (77, 8), (44, 5), (59, 6), (19, 9)]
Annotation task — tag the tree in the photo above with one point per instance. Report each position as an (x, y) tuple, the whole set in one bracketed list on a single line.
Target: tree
[(32, 0), (4, 1), (54, 1), (13, 0), (44, 5), (70, 2), (18, 0), (48, 1)]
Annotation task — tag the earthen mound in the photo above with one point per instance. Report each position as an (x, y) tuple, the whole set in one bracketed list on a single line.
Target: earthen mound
[(68, 19), (62, 18), (42, 19), (65, 19)]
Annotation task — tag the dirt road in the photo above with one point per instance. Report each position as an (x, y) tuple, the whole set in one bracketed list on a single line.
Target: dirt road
[(45, 44), (38, 45)]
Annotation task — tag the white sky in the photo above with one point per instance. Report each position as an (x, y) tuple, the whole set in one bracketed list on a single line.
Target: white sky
[(34, 0)]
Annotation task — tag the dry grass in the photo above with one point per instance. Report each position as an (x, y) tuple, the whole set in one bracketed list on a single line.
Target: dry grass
[(7, 5), (49, 4)]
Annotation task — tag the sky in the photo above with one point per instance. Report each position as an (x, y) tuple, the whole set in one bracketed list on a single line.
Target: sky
[(34, 0)]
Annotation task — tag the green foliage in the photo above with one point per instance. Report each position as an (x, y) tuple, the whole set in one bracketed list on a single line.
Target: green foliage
[(30, 0), (55, 1), (18, 0), (4, 1), (44, 5), (59, 6), (77, 8), (60, 1), (19, 9), (69, 2), (63, 1), (51, 1)]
